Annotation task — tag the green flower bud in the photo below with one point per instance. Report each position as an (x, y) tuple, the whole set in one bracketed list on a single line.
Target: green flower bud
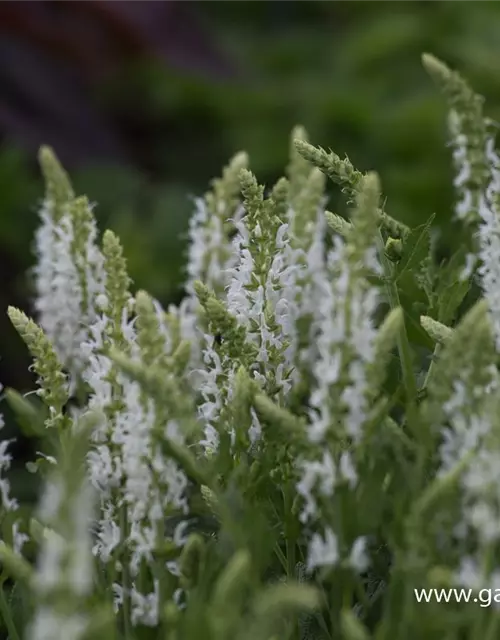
[(52, 380), (437, 331), (58, 189), (190, 560), (338, 224), (393, 249)]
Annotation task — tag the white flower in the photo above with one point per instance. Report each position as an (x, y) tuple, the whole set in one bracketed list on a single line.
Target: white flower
[(145, 608), (7, 502), (462, 164), (210, 252), (108, 535), (51, 625), (333, 336), (276, 291), (255, 431), (469, 574), (210, 389), (323, 551), (117, 590), (64, 572), (470, 265), (80, 567), (347, 469), (358, 558), (468, 424), (316, 477), (18, 538), (50, 564), (60, 280)]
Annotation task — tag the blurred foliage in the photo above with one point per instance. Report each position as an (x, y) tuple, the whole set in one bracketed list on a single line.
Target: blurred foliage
[(350, 72)]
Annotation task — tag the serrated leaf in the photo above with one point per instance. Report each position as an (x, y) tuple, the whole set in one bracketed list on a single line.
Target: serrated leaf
[(412, 301), (425, 278), (451, 289), (416, 248), (450, 300)]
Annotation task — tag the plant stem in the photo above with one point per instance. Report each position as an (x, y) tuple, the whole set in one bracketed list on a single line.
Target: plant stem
[(5, 611), (289, 533), (492, 630), (126, 579), (290, 545), (403, 344), (428, 375)]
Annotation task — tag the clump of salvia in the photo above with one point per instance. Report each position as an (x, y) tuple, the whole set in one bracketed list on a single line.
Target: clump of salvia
[(310, 436)]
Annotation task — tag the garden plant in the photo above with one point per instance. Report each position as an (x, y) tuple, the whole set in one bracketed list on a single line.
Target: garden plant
[(308, 440)]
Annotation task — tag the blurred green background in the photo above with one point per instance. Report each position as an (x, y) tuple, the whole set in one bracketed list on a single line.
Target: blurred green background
[(203, 80)]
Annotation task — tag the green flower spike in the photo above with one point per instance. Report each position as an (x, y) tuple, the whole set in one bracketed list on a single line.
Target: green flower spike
[(469, 133), (299, 169), (223, 199), (118, 296), (222, 323), (306, 192), (469, 348), (58, 190), (439, 332), (152, 341), (52, 380), (338, 224), (364, 218), (339, 171)]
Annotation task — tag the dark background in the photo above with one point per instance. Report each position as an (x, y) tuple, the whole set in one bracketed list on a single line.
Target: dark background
[(145, 101)]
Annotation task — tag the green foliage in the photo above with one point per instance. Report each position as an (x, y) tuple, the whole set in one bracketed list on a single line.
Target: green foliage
[(299, 448)]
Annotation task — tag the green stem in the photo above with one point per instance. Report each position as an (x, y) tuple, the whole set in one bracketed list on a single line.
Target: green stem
[(127, 634), (428, 375), (289, 533), (5, 611), (291, 559), (488, 562), (281, 556), (492, 629), (403, 344)]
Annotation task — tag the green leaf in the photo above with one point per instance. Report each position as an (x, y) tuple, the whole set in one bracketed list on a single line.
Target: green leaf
[(451, 299), (416, 248), (20, 606), (451, 289), (30, 419)]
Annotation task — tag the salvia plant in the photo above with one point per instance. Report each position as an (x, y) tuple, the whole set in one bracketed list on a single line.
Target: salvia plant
[(308, 438)]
